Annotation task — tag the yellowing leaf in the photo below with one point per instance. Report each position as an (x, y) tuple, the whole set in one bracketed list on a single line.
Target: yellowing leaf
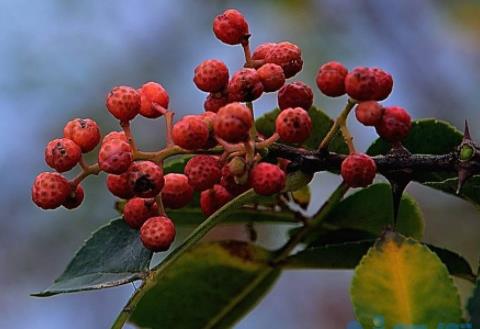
[(402, 282)]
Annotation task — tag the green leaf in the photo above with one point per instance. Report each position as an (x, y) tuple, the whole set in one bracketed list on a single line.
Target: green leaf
[(114, 255), (405, 283), (302, 196), (474, 307), (194, 216), (176, 164), (194, 237), (371, 210), (321, 124), (427, 136), (209, 286), (347, 256), (470, 191)]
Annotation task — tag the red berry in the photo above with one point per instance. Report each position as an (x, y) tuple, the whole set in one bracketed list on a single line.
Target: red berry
[(84, 132), (288, 56), (245, 86), (211, 76), (384, 84), (62, 154), (267, 178), (190, 133), (230, 183), (231, 27), (115, 156), (394, 125), (331, 79), (261, 51), (75, 198), (176, 193), (203, 171), (50, 190), (360, 84), (213, 199), (153, 100), (138, 210), (214, 102), (146, 178), (123, 103), (157, 233), (358, 170), (369, 113), (295, 94), (119, 186), (293, 125), (233, 122), (272, 76), (115, 135), (209, 119)]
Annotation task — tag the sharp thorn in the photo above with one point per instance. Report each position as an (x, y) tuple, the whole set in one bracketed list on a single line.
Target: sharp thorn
[(463, 176), (466, 132)]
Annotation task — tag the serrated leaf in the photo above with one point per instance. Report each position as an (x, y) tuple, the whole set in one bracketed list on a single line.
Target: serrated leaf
[(209, 286), (321, 124), (469, 192), (114, 255), (427, 136), (474, 306), (371, 210), (347, 255), (302, 196), (404, 283)]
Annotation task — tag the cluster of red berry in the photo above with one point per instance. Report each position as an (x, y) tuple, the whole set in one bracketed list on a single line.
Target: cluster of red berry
[(228, 161)]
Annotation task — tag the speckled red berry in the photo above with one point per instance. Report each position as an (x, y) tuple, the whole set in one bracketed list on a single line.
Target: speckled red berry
[(245, 86), (211, 76), (115, 135), (233, 122), (384, 84), (231, 27), (190, 133), (272, 76), (213, 199), (138, 210), (74, 198), (203, 171), (369, 113), (358, 170), (123, 103), (267, 178), (157, 233), (331, 79), (295, 94), (176, 192), (215, 101), (261, 51), (288, 56), (394, 125), (146, 178), (50, 190), (119, 186), (62, 154), (232, 185), (84, 132), (293, 125), (115, 156), (153, 100)]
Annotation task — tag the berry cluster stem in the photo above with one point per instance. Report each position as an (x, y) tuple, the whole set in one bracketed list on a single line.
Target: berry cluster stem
[(339, 122), (128, 133)]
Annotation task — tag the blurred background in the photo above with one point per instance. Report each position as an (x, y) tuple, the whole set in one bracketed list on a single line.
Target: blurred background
[(58, 59)]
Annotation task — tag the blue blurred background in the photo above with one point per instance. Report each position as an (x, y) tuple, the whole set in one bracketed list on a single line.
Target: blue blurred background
[(59, 58)]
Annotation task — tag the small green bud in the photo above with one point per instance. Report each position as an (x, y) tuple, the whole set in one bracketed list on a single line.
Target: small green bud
[(466, 152)]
